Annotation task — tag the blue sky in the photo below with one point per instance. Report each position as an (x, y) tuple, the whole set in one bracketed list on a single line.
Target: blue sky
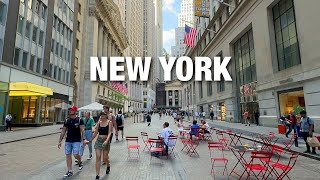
[(170, 11)]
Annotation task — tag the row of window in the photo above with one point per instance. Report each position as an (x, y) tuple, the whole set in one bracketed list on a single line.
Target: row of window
[(62, 28), (59, 74), (2, 12), (37, 35), (66, 10), (34, 63), (60, 51), (37, 6)]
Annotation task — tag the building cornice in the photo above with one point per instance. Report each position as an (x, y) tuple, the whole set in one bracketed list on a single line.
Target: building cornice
[(109, 14)]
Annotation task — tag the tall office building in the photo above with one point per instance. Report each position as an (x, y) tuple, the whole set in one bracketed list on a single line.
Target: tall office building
[(37, 45), (158, 75)]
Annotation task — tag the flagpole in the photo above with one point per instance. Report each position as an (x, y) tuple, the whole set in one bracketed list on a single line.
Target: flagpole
[(222, 2), (199, 26)]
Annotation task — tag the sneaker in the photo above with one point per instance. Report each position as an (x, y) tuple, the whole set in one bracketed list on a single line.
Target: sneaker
[(108, 170), (306, 152), (68, 174), (117, 139), (90, 157), (249, 124), (97, 177), (80, 165), (77, 162), (313, 152)]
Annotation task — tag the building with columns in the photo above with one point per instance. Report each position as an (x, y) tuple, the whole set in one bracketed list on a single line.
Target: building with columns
[(173, 94), (275, 63), (103, 36)]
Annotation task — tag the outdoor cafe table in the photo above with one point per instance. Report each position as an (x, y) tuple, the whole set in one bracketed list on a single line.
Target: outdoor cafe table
[(234, 138), (239, 152), (268, 141)]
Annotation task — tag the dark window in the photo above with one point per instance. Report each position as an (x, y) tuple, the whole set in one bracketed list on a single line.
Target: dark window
[(286, 34), (244, 56), (32, 61), (55, 72), (79, 26), (79, 8), (61, 50), (43, 11), (28, 29), (52, 45), (77, 44), (200, 89), (39, 62), (16, 56), (24, 59), (41, 38), (34, 35), (37, 7), (20, 24), (2, 12), (57, 48)]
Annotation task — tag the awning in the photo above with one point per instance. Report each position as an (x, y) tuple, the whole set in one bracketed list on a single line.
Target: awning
[(28, 89)]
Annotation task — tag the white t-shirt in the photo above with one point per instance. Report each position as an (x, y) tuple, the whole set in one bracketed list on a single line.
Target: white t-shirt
[(165, 133), (196, 114), (174, 115), (203, 114)]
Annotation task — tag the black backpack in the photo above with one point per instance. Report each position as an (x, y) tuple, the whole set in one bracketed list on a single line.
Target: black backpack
[(119, 120), (310, 124)]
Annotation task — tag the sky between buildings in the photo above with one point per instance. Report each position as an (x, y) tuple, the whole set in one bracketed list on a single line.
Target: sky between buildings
[(170, 11)]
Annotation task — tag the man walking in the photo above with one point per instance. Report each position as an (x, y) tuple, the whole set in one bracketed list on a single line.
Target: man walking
[(293, 125), (307, 127), (89, 124), (74, 127), (256, 116), (8, 122), (120, 123), (246, 117), (211, 115)]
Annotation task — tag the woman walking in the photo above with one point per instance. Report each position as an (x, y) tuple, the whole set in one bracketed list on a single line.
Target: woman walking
[(102, 145)]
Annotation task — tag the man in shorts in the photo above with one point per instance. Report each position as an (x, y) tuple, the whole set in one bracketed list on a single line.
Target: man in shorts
[(75, 130), (120, 123)]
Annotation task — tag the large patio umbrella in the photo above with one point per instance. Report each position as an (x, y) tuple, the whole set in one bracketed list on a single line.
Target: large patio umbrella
[(92, 107)]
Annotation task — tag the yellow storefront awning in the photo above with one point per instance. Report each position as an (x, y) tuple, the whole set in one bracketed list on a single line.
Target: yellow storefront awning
[(28, 89)]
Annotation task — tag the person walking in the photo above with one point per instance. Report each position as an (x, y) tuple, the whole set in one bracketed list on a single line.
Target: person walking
[(211, 115), (102, 144), (148, 119), (120, 123), (204, 115), (174, 115), (256, 117), (74, 128), (292, 119), (111, 117), (89, 125), (8, 122), (246, 117), (307, 128)]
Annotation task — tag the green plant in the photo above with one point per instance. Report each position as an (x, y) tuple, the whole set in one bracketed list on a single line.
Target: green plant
[(297, 109)]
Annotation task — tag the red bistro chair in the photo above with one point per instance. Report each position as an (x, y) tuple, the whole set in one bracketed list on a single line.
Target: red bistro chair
[(221, 138), (196, 131), (252, 166), (145, 139), (213, 146), (133, 144), (288, 144), (156, 147), (284, 168), (172, 140)]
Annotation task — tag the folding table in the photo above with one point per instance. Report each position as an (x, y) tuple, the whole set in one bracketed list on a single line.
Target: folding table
[(268, 141), (239, 152), (234, 138)]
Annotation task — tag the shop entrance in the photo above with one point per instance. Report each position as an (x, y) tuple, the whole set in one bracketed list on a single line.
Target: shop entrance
[(291, 100), (251, 107)]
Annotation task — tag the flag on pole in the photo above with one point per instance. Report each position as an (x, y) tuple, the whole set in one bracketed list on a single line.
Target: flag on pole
[(190, 36)]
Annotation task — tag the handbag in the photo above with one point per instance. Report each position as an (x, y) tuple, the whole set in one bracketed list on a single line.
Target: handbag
[(313, 142)]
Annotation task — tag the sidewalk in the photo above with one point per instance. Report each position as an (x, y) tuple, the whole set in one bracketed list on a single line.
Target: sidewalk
[(249, 131), (28, 133)]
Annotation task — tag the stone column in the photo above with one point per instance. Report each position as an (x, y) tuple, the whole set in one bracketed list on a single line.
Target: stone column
[(105, 44), (180, 98), (100, 41)]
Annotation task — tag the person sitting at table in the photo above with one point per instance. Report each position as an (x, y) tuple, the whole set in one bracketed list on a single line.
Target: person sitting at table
[(165, 134), (205, 126), (194, 129)]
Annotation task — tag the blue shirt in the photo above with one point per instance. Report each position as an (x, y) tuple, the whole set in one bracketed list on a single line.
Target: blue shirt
[(305, 126), (194, 126)]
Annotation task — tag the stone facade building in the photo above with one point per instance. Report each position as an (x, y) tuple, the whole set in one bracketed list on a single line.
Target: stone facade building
[(275, 62)]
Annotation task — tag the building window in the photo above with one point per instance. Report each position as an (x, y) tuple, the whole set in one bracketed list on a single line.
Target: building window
[(38, 65), (24, 59), (79, 8), (286, 34), (77, 44), (34, 34), (52, 45), (200, 89), (245, 59), (2, 12), (221, 84), (79, 26), (43, 11), (37, 9), (209, 88), (57, 48), (61, 51), (32, 61), (55, 72), (20, 24), (68, 80), (16, 56), (28, 29), (41, 38)]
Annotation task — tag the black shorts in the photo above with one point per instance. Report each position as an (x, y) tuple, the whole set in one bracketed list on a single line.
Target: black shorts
[(120, 128)]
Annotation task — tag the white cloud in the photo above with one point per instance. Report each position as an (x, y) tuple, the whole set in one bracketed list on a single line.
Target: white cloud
[(168, 5), (168, 39)]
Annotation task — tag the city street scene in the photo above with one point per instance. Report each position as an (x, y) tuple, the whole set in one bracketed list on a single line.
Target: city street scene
[(57, 123)]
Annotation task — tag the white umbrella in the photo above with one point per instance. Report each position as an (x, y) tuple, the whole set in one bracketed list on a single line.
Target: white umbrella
[(92, 107), (62, 105)]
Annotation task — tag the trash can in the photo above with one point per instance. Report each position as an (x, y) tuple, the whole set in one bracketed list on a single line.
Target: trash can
[(281, 128)]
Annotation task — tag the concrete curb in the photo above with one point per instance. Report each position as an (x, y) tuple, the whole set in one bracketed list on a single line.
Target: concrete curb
[(33, 137)]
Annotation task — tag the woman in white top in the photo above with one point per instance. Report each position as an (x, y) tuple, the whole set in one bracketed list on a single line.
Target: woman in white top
[(180, 125)]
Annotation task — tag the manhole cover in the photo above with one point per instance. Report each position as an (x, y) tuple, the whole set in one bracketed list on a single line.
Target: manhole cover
[(3, 154)]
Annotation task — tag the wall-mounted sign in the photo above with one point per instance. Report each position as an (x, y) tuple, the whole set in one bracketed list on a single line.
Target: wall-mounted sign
[(202, 8)]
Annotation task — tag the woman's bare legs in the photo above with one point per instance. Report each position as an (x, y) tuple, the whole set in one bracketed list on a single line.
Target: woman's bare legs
[(98, 161)]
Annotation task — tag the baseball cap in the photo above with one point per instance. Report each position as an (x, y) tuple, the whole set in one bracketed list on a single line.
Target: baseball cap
[(73, 108)]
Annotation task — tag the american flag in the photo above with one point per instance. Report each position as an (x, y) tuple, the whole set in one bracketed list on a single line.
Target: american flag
[(120, 87), (189, 35)]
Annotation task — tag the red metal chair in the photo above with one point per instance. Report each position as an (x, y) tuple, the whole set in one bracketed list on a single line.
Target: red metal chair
[(145, 139), (284, 168), (252, 166), (156, 147), (133, 144), (172, 140), (213, 146), (221, 138), (288, 144)]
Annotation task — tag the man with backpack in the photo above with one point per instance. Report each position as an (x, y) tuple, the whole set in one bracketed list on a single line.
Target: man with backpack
[(120, 123), (307, 129)]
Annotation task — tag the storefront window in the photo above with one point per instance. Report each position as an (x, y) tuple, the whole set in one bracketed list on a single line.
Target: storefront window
[(291, 101), (28, 109), (3, 98)]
